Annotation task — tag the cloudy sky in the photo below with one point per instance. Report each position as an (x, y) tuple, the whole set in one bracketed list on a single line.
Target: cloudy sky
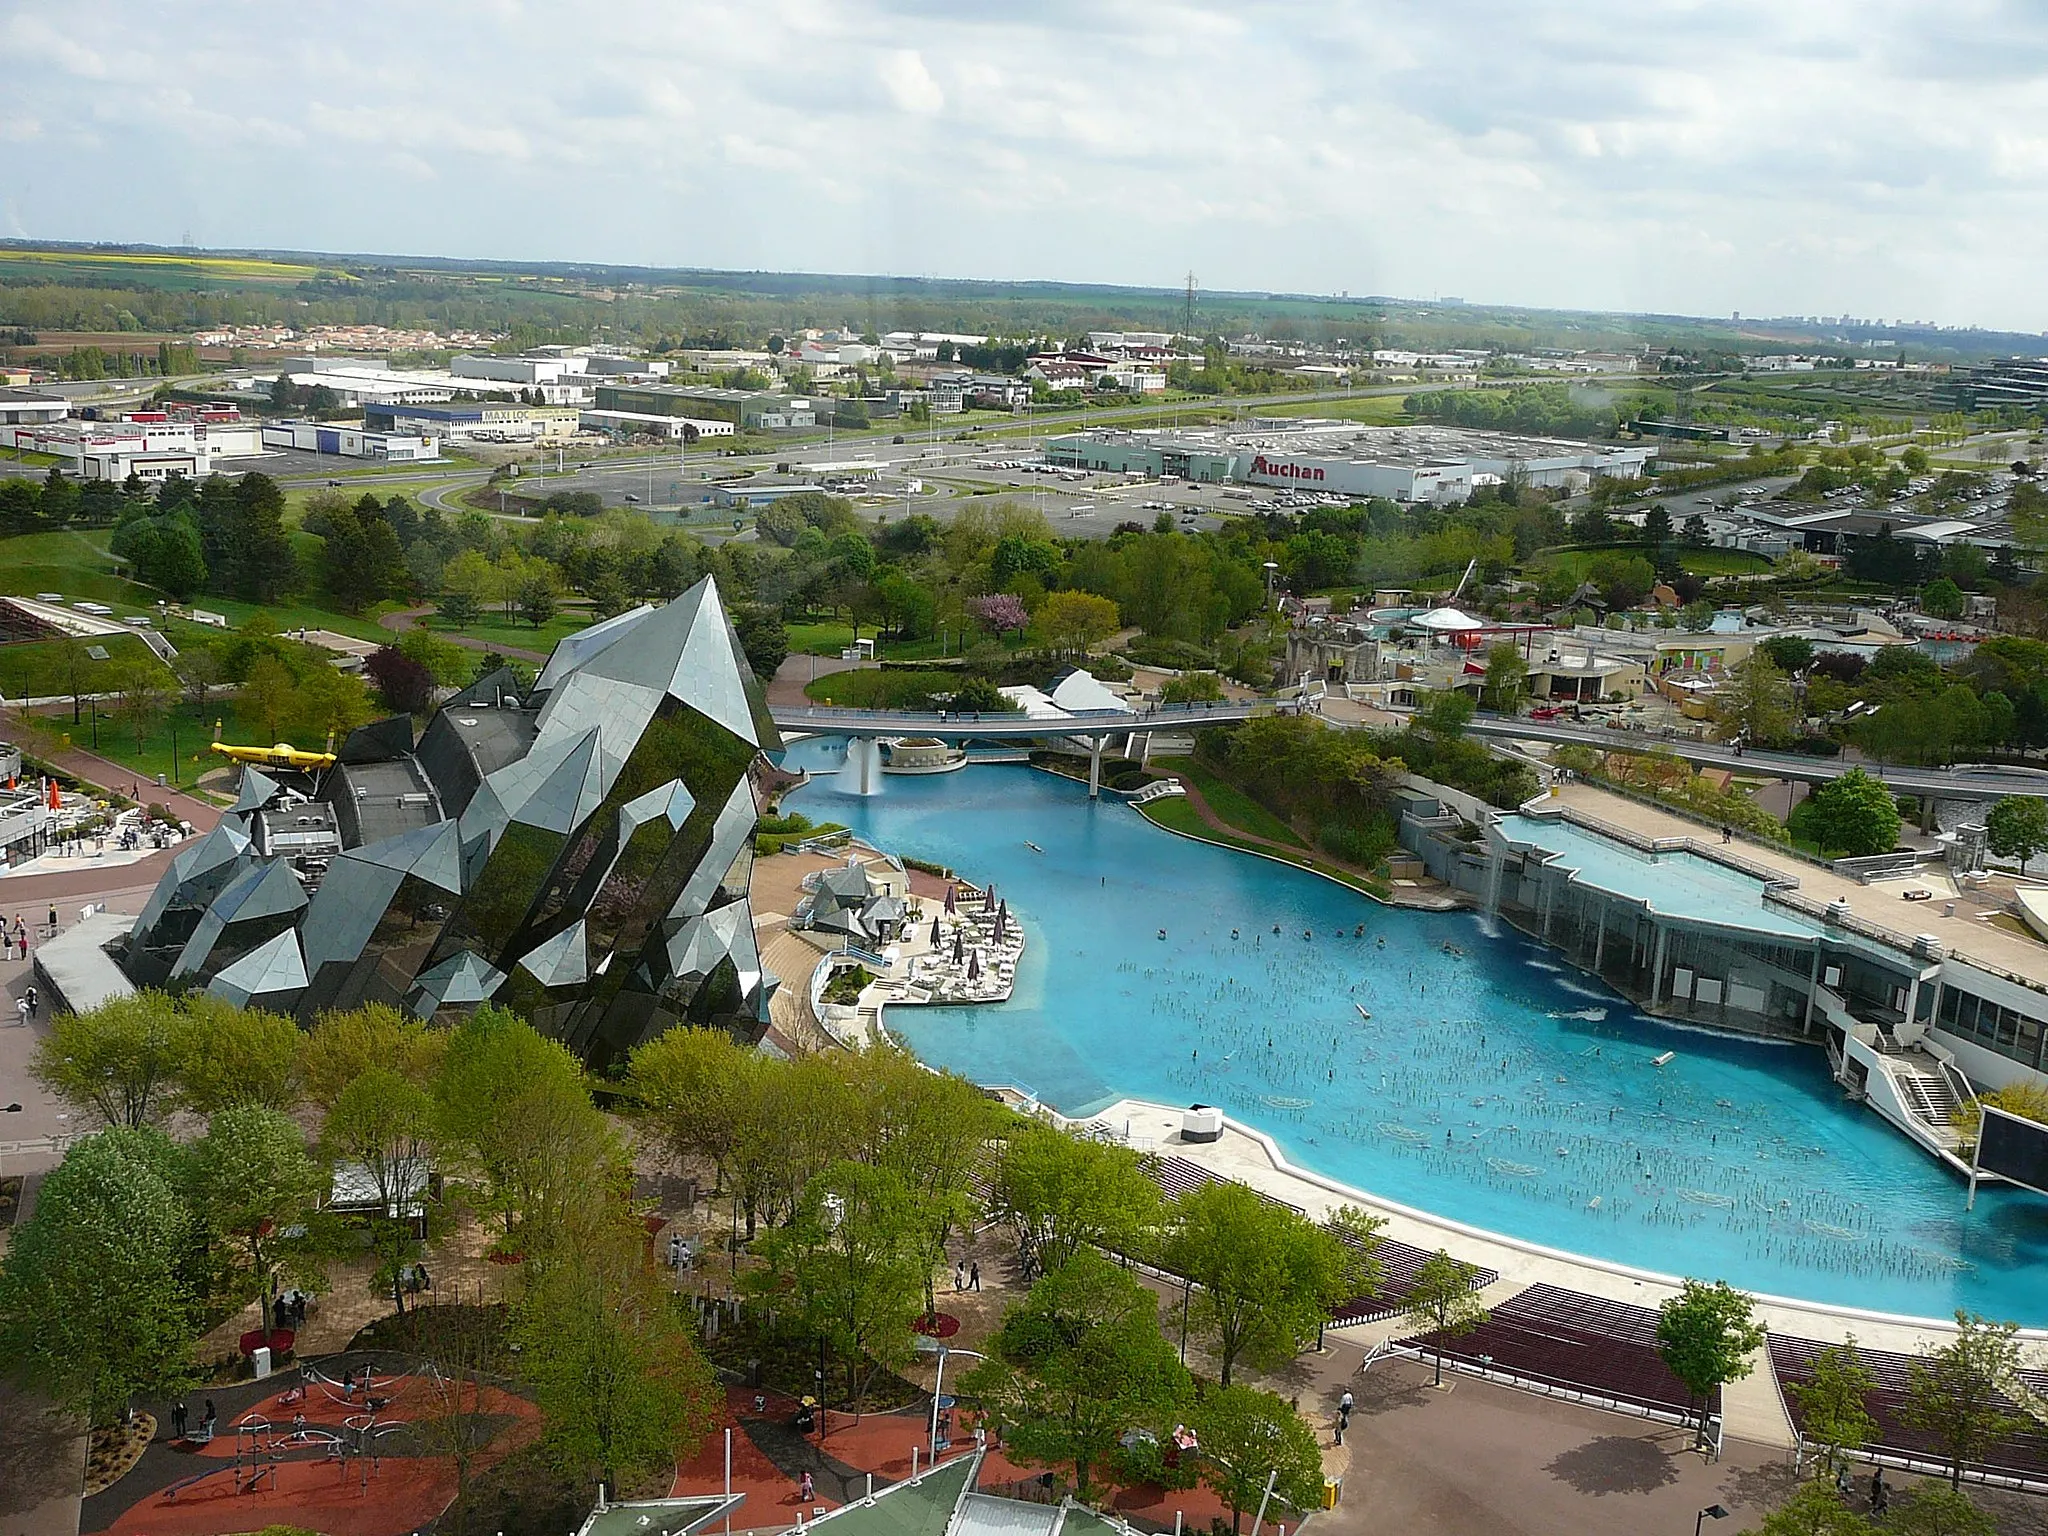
[(1865, 157)]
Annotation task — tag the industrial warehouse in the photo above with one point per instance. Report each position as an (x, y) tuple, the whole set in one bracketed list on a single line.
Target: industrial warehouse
[(1410, 464)]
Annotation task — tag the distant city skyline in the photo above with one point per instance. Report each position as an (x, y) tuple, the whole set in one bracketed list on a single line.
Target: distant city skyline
[(1883, 160)]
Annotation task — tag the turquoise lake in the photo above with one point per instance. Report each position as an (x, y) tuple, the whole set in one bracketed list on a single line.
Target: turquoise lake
[(1493, 1084)]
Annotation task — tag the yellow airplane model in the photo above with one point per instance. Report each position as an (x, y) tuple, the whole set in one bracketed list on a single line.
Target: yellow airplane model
[(282, 755)]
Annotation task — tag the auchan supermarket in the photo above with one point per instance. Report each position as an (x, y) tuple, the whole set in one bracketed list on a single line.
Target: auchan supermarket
[(1414, 464)]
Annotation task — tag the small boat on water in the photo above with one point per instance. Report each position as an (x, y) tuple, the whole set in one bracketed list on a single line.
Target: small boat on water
[(1361, 1010), (1033, 846), (1658, 1061)]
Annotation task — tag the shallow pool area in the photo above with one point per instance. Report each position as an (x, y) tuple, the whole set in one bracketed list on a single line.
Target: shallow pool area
[(1492, 1084)]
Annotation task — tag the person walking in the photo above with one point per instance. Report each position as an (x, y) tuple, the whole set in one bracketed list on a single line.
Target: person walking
[(959, 1278), (53, 919), (1880, 1495), (21, 1009), (806, 1490), (178, 1419), (974, 1276), (35, 1004)]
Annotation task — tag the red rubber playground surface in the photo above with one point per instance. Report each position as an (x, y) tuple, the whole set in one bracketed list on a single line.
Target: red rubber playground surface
[(284, 1476), (768, 1458)]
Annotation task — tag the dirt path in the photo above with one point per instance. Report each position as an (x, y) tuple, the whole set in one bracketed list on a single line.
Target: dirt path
[(408, 619)]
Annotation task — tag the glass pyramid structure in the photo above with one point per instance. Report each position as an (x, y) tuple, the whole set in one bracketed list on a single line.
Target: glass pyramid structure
[(577, 851)]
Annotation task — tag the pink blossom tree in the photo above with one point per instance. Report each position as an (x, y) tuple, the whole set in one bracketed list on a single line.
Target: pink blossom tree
[(999, 612)]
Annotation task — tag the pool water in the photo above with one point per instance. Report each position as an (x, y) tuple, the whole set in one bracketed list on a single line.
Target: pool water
[(1493, 1084)]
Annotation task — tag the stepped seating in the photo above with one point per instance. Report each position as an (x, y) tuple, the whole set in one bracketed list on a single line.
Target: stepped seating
[(2021, 1457), (1572, 1344), (1399, 1263), (1176, 1176)]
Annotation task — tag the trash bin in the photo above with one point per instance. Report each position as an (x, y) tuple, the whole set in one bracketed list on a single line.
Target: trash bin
[(1333, 1489)]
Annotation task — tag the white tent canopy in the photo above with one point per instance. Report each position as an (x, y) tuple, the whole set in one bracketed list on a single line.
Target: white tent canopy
[(1447, 619)]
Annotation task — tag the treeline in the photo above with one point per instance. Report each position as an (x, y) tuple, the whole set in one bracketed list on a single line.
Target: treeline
[(1542, 408)]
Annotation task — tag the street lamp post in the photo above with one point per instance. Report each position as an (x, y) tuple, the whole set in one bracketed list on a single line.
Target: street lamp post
[(939, 1391), (1711, 1512)]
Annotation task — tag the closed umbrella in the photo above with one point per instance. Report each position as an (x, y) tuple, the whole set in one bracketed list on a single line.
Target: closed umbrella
[(974, 966)]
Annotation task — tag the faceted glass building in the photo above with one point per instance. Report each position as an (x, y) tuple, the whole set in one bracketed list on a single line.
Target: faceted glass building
[(578, 852)]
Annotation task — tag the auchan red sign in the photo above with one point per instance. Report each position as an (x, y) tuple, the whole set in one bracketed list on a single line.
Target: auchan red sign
[(1261, 465)]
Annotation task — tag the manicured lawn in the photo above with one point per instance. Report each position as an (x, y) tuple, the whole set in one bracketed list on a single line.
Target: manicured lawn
[(1376, 410), (497, 630), (1722, 562), (1176, 815), (1233, 804), (194, 736), (291, 615), (74, 562), (37, 667), (828, 637)]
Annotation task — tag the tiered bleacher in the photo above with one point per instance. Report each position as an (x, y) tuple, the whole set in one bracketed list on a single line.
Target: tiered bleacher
[(1398, 1265), (1572, 1345), (2021, 1458), (1176, 1176)]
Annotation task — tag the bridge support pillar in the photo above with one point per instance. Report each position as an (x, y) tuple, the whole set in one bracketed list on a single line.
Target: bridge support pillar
[(1145, 750), (1095, 767)]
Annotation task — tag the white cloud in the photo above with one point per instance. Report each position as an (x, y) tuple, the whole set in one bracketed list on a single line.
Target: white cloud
[(909, 83), (1879, 157)]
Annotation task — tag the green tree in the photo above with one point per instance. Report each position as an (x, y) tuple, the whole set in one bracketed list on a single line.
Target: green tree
[(1507, 678), (94, 1304), (1856, 814), (1444, 714), (1788, 653), (1266, 1277), (1441, 1302), (1246, 1437), (538, 597), (980, 696), (1061, 1194), (1814, 1509), (1941, 599), (853, 1266), (1077, 1364), (268, 698), (120, 1060), (1756, 704), (1956, 1394), (231, 1057), (254, 1182), (1706, 1334), (1833, 1406), (1929, 1509), (764, 641), (515, 1110), (1657, 526), (1192, 688), (1070, 622), (344, 1046), (382, 1124), (619, 1384), (361, 559), (1697, 616), (143, 692), (2017, 828), (698, 1091)]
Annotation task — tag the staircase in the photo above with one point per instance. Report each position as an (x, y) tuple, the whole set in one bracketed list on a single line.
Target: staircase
[(1158, 789)]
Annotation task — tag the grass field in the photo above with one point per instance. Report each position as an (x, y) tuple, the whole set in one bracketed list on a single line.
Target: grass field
[(1373, 410), (38, 668), (1176, 815), (828, 637), (874, 689), (151, 269), (75, 563), (186, 724), (1233, 804), (496, 630)]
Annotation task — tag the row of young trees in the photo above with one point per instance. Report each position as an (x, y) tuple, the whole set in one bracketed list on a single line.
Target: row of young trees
[(138, 1240)]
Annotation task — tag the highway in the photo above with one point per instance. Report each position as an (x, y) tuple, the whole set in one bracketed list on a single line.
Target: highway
[(1970, 782)]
